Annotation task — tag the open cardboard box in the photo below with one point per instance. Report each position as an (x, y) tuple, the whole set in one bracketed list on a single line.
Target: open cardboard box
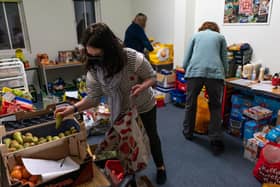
[(74, 145)]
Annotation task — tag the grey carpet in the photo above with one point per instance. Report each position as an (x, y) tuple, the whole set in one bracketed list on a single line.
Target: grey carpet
[(191, 164)]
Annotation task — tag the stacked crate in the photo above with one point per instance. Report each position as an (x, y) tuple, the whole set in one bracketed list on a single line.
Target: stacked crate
[(178, 96)]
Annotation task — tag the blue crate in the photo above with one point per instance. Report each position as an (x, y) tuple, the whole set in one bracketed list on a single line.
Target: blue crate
[(181, 77), (178, 97)]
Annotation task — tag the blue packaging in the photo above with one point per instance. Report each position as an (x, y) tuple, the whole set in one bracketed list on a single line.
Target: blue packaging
[(250, 128)]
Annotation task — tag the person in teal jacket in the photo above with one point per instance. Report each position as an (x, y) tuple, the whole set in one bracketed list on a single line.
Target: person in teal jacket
[(206, 65)]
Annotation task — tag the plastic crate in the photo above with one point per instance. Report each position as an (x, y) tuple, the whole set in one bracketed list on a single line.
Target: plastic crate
[(178, 97), (181, 77), (181, 86)]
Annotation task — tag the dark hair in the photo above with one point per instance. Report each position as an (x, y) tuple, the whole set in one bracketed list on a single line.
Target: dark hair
[(209, 25), (100, 36), (140, 14)]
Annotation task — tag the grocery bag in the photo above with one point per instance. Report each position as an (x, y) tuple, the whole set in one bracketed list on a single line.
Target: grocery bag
[(267, 168), (129, 138), (162, 54), (202, 114)]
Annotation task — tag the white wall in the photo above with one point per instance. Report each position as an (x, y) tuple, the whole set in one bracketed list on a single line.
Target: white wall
[(116, 14), (51, 26), (264, 38), (183, 28), (160, 18)]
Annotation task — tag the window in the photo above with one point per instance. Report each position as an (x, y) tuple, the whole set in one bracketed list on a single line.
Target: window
[(85, 15), (12, 35)]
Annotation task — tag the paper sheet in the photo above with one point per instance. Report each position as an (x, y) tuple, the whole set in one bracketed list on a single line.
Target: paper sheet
[(242, 82), (263, 87), (72, 94), (49, 169)]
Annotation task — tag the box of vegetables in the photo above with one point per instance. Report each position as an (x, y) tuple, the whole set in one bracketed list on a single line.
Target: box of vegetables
[(52, 141)]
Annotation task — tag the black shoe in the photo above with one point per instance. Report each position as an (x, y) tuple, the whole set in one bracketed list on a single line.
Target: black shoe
[(217, 147), (188, 136), (161, 176)]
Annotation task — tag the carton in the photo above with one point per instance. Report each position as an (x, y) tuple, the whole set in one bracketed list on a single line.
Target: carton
[(74, 145), (258, 113), (166, 81)]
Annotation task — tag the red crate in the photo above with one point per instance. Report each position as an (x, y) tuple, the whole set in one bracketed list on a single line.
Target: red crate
[(181, 86)]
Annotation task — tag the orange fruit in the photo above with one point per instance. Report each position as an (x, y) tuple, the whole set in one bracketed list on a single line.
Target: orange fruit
[(16, 174), (25, 173), (17, 167), (34, 179), (31, 184)]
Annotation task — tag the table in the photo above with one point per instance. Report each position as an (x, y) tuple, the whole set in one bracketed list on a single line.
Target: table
[(254, 86), (60, 65), (99, 179)]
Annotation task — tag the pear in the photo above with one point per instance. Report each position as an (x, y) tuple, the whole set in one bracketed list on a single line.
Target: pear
[(32, 144), (25, 145), (67, 133), (49, 138), (58, 120), (14, 144), (55, 138), (27, 139), (20, 147), (35, 139), (61, 135), (7, 142), (28, 134), (18, 137)]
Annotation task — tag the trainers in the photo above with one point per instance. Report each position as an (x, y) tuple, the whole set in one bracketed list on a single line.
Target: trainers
[(161, 176), (217, 147), (188, 136)]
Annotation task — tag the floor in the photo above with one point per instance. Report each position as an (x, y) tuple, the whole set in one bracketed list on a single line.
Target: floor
[(191, 163)]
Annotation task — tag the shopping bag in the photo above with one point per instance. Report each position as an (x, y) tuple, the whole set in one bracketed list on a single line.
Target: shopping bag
[(129, 138), (162, 54), (267, 168), (202, 114)]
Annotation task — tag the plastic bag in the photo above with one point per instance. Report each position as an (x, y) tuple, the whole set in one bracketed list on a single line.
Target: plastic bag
[(267, 169), (202, 115)]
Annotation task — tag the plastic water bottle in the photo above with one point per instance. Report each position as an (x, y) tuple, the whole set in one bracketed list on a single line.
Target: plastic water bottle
[(254, 75), (238, 72)]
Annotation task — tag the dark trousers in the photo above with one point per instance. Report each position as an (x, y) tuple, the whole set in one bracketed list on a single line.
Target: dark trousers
[(214, 89), (149, 120)]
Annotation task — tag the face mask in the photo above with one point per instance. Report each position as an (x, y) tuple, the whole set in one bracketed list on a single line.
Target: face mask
[(95, 60)]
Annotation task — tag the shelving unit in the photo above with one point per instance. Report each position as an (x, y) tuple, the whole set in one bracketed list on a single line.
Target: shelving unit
[(12, 74), (61, 65)]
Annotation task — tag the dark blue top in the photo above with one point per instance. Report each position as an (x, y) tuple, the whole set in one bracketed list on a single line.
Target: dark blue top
[(136, 38)]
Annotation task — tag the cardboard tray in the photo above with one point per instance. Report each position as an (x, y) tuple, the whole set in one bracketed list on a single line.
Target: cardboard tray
[(74, 146)]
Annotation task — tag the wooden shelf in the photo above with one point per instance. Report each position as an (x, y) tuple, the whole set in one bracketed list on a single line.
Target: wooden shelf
[(62, 65)]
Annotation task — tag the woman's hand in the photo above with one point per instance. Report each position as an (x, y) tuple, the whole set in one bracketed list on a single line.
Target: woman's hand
[(137, 89), (64, 111)]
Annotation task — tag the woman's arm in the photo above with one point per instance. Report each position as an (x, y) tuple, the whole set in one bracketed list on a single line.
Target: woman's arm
[(145, 72)]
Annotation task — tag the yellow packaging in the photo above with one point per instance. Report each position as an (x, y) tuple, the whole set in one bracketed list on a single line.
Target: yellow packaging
[(162, 54)]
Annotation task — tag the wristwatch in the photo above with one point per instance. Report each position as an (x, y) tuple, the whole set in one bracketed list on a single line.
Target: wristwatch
[(75, 108)]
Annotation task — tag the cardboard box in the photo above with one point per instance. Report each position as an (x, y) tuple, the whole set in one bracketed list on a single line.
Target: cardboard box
[(251, 150), (258, 113), (74, 145), (166, 81)]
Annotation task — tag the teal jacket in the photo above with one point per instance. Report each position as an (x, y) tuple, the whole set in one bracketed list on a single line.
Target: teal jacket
[(206, 56)]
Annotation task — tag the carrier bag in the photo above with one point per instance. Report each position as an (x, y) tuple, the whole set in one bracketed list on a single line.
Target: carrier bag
[(267, 168)]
